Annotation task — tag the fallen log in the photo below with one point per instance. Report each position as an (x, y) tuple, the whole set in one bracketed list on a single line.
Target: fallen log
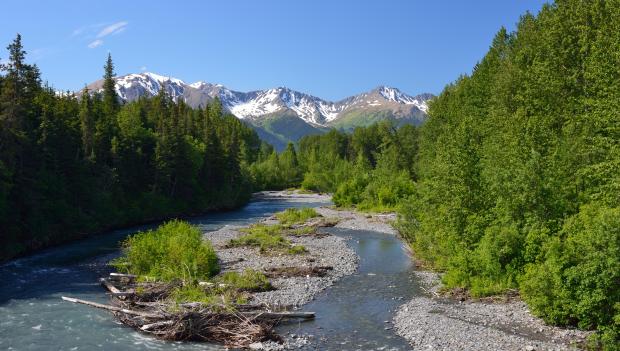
[(113, 308), (148, 327), (121, 276), (211, 285), (278, 315), (109, 286)]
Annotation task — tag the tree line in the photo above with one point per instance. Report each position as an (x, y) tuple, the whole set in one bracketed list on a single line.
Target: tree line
[(75, 164), (513, 182)]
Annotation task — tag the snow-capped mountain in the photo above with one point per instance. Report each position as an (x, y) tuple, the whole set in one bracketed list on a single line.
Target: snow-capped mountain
[(258, 107)]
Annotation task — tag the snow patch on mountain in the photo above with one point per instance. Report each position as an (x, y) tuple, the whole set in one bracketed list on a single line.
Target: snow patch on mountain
[(256, 104)]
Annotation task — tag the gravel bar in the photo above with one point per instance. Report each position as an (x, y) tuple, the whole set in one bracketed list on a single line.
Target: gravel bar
[(437, 323)]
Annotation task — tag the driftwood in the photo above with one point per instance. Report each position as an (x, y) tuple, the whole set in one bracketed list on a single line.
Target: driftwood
[(212, 285), (315, 271), (119, 276), (278, 315), (155, 325), (113, 308), (109, 286), (145, 306)]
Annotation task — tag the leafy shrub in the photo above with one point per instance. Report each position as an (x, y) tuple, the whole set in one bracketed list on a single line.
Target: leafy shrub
[(351, 192), (578, 282), (175, 250), (386, 190)]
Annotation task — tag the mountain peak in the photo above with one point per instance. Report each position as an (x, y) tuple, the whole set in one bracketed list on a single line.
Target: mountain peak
[(256, 104)]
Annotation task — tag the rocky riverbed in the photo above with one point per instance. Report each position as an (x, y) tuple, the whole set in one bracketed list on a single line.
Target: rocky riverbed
[(323, 251), (429, 320), (439, 323)]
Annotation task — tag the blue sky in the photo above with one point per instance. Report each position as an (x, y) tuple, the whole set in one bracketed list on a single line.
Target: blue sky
[(331, 49)]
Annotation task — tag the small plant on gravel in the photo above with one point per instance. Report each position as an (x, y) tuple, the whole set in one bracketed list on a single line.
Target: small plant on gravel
[(269, 238), (297, 250), (302, 231), (173, 251), (266, 237), (296, 215), (248, 280)]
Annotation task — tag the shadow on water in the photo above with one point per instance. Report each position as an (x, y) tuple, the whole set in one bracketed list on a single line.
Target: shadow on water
[(356, 313), (34, 317)]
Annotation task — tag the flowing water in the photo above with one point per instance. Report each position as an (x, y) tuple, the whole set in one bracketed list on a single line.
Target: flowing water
[(350, 315), (356, 313)]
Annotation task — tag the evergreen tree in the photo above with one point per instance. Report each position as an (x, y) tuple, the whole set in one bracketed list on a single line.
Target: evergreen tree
[(87, 125), (110, 98)]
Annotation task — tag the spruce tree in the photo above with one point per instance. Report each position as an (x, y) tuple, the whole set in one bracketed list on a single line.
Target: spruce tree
[(13, 99), (110, 98), (106, 123), (87, 125)]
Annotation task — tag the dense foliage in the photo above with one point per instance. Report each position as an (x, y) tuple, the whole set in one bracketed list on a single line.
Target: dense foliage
[(514, 180), (519, 168), (70, 166), (175, 250), (371, 168)]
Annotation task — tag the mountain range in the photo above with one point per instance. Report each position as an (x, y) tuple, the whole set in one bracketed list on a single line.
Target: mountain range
[(280, 115)]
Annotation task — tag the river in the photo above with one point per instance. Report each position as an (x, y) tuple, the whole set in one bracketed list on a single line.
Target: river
[(350, 315)]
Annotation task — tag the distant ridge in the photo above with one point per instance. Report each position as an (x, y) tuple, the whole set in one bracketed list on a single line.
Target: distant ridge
[(282, 114)]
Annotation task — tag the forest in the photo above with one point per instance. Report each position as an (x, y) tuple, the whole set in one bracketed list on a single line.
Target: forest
[(75, 164), (513, 182)]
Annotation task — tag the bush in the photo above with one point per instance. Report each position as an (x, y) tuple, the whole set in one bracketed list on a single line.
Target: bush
[(578, 282), (296, 215), (175, 250), (350, 193)]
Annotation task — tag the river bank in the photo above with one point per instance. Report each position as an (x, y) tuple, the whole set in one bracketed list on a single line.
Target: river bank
[(429, 319), (437, 322), (35, 317)]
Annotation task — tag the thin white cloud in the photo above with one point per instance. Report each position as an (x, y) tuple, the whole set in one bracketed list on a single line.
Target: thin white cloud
[(77, 31), (143, 68), (115, 28), (95, 44)]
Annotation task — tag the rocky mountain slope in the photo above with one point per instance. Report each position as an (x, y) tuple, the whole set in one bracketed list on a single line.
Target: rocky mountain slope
[(281, 114)]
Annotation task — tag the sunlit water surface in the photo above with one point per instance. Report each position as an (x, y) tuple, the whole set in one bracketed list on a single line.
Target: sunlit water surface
[(350, 315)]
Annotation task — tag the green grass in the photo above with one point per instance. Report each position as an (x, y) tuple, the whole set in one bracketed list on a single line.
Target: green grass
[(268, 238), (248, 280), (216, 297), (229, 288), (302, 231), (297, 250), (173, 251), (296, 215)]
